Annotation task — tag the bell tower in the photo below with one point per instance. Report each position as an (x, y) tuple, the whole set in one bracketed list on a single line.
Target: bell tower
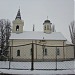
[(18, 23), (47, 26)]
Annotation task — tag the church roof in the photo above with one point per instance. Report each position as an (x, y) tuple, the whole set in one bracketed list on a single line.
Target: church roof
[(69, 43), (37, 36)]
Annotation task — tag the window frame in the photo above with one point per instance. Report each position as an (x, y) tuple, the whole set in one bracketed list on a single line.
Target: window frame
[(17, 28), (18, 52), (45, 52), (47, 27), (58, 51)]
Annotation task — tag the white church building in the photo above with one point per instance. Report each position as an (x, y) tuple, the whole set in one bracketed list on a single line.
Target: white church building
[(48, 44)]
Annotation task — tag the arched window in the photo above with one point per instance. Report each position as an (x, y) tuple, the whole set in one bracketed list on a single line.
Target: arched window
[(45, 51), (18, 52), (17, 28), (45, 27)]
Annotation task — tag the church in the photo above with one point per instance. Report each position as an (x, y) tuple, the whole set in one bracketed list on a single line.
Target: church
[(47, 45)]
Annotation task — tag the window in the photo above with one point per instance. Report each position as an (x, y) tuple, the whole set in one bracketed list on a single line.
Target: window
[(45, 51), (17, 28), (31, 51), (58, 51), (18, 52), (47, 27)]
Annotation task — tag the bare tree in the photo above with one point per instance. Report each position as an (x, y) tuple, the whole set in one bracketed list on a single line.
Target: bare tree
[(5, 30), (72, 33)]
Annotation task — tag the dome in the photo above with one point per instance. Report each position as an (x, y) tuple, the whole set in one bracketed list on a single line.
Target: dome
[(46, 21)]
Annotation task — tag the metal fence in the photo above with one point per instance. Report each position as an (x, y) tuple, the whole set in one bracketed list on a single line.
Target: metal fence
[(39, 57)]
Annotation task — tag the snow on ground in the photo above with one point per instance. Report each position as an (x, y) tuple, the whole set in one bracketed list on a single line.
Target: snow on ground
[(37, 65), (19, 67), (35, 72)]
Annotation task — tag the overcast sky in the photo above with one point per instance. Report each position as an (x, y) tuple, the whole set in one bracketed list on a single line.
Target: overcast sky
[(59, 12)]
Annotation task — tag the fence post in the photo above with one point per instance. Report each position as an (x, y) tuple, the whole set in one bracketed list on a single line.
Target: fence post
[(10, 57), (32, 57), (56, 58)]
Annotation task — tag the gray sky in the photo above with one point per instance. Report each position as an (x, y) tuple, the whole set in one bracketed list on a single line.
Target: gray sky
[(59, 12)]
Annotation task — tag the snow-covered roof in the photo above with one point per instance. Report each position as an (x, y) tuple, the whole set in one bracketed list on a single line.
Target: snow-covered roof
[(67, 42), (37, 35)]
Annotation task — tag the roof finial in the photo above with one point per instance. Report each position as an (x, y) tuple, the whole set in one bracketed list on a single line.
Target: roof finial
[(33, 27), (47, 17)]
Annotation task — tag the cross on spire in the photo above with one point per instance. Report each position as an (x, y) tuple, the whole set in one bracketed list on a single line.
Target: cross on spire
[(47, 17)]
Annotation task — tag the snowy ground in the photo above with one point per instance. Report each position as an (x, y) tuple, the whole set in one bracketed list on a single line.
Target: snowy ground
[(19, 67), (35, 72)]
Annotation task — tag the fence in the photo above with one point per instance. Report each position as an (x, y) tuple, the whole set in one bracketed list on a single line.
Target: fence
[(39, 57)]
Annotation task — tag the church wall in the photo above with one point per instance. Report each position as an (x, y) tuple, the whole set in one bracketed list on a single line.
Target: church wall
[(38, 50), (69, 52), (48, 42), (21, 42), (54, 43), (24, 52)]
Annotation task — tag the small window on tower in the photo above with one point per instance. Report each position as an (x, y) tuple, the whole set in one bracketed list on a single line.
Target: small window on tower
[(45, 28), (17, 28), (48, 27)]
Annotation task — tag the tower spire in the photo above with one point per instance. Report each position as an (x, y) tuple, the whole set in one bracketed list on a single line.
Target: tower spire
[(18, 14)]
